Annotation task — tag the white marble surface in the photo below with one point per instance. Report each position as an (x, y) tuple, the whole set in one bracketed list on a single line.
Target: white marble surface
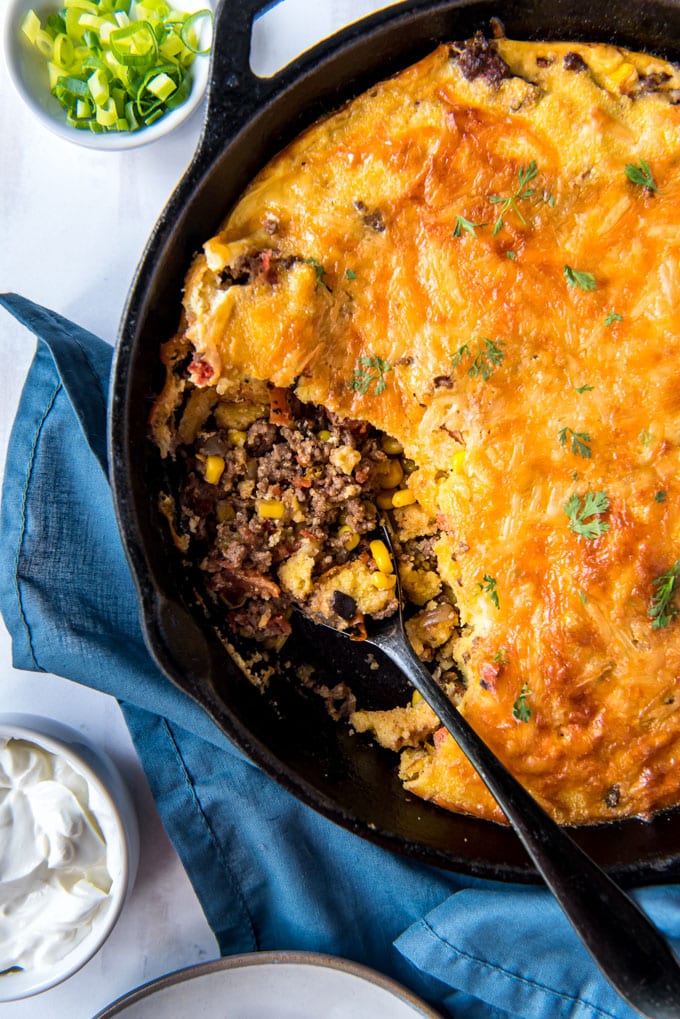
[(73, 223)]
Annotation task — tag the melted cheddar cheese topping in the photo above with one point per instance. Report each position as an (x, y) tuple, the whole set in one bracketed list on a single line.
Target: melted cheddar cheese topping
[(504, 250)]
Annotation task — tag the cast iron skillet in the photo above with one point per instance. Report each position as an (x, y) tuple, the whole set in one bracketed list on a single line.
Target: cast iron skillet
[(287, 730)]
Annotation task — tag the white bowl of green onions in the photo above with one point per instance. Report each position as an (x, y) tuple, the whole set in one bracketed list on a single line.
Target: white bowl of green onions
[(109, 74)]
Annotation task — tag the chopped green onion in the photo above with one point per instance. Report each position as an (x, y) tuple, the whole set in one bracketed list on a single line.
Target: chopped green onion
[(118, 66), (161, 86), (92, 21), (107, 114), (62, 51), (44, 44), (30, 26), (135, 45), (83, 109), (55, 24), (190, 36), (98, 85), (86, 6)]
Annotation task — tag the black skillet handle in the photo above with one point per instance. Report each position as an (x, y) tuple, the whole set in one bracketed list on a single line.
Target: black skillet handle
[(234, 92), (624, 943)]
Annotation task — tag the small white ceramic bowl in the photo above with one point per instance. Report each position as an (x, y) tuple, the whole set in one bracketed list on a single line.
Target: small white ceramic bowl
[(112, 806), (28, 72)]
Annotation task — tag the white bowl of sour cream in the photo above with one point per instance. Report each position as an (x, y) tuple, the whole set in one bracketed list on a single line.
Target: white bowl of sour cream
[(69, 847)]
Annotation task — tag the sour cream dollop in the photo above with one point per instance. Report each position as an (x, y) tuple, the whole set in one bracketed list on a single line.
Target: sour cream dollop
[(55, 878)]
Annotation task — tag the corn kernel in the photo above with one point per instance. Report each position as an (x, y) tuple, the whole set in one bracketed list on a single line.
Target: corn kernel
[(404, 497), (384, 500), (381, 556), (214, 466), (324, 435), (383, 581), (349, 538), (225, 512), (416, 698), (391, 446), (624, 76), (458, 461), (236, 437), (389, 474), (270, 509)]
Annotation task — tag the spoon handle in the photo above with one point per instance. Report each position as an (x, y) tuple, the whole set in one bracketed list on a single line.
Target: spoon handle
[(627, 947)]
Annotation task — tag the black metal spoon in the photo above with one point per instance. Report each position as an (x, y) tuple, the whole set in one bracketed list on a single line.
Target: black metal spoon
[(624, 943)]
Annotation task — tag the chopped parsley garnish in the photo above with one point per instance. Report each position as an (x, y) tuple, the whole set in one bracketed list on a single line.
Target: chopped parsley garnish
[(584, 389), (583, 597), (612, 317), (371, 370), (464, 224), (520, 709), (582, 280), (350, 274), (579, 442), (660, 610), (584, 514), (501, 657), (512, 255), (645, 437), (660, 496), (489, 356), (319, 270), (525, 174), (641, 174), (489, 587)]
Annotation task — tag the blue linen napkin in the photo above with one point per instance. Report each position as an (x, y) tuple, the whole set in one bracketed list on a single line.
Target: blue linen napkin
[(269, 872)]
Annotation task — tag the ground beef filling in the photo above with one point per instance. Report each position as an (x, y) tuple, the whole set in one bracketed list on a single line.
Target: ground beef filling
[(277, 514)]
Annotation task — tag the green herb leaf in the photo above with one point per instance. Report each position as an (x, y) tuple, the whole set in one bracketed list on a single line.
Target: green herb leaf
[(520, 709), (612, 317), (512, 255), (350, 274), (371, 371), (584, 515), (462, 352), (641, 175), (660, 610), (582, 280), (579, 442), (319, 270), (660, 496), (501, 657), (489, 587), (583, 597), (464, 224), (489, 356), (645, 437), (584, 389), (525, 175)]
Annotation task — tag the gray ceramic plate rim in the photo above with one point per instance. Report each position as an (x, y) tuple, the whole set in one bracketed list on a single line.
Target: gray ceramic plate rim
[(235, 962)]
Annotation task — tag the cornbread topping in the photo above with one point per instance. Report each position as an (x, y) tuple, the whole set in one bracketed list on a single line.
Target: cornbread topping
[(475, 262), (54, 873)]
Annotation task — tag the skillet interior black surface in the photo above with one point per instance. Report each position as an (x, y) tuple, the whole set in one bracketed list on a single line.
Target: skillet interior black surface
[(288, 731)]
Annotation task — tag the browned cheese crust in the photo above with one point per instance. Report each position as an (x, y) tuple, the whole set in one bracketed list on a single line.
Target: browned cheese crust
[(471, 227)]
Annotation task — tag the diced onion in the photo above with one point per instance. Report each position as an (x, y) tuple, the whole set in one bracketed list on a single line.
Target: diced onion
[(115, 65)]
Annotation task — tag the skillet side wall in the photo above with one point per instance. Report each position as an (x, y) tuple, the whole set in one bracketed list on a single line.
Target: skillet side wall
[(287, 732)]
